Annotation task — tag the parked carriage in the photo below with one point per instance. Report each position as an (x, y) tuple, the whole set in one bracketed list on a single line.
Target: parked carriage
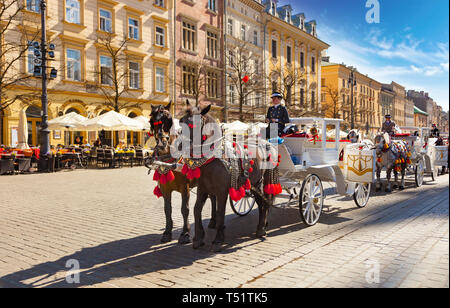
[(309, 159), (426, 157)]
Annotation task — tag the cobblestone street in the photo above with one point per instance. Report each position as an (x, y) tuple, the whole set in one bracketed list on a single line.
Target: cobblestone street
[(110, 222)]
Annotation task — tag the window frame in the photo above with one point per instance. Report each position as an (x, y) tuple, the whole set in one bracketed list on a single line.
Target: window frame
[(158, 36), (136, 29), (112, 19), (66, 55), (80, 12), (138, 72), (100, 70), (193, 34)]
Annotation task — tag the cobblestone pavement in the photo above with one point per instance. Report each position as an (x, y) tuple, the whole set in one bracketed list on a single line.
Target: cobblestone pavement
[(109, 221)]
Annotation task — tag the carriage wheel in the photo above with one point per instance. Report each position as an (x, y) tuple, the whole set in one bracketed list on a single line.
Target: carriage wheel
[(311, 199), (362, 194), (244, 206), (419, 173), (434, 173)]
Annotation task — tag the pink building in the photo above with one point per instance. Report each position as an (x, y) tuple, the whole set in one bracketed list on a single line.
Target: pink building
[(198, 54)]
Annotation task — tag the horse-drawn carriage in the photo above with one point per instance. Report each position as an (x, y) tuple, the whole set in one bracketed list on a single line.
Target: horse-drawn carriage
[(308, 159), (426, 157)]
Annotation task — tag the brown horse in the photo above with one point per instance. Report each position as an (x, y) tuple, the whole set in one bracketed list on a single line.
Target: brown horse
[(179, 183), (215, 178)]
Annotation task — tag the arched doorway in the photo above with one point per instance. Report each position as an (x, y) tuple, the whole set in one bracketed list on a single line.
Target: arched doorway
[(70, 136), (133, 138), (105, 136), (33, 114)]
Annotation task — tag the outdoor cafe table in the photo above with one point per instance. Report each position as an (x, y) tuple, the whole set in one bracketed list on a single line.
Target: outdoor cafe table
[(124, 157), (74, 157)]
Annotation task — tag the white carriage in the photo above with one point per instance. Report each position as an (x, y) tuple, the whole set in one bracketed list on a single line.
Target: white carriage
[(426, 157), (308, 160)]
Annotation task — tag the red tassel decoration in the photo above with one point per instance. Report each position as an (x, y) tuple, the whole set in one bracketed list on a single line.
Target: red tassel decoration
[(170, 176), (185, 169), (157, 192), (241, 192), (190, 175), (163, 179), (156, 176), (250, 170), (248, 185), (196, 173), (252, 162), (233, 194)]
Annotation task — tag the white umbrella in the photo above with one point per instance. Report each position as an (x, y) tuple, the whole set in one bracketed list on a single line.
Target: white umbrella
[(143, 120), (23, 131), (236, 126), (111, 121), (69, 121)]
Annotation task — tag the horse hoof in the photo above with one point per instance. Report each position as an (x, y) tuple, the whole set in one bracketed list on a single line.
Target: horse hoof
[(184, 239), (401, 187), (388, 190), (198, 244), (166, 238), (217, 247), (395, 186), (212, 224), (261, 233)]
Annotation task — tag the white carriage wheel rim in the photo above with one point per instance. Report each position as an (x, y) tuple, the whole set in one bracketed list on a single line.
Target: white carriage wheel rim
[(363, 194), (420, 172), (244, 202), (313, 209)]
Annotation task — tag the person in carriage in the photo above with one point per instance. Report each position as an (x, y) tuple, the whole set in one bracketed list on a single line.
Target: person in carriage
[(388, 125), (435, 131), (277, 114)]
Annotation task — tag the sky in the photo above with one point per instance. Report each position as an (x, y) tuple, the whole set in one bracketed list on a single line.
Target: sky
[(409, 45)]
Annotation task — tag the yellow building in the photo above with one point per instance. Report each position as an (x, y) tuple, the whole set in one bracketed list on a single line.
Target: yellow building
[(293, 59), (336, 97), (87, 36)]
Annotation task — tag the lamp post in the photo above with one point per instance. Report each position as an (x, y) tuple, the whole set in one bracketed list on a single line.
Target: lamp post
[(41, 71), (352, 83)]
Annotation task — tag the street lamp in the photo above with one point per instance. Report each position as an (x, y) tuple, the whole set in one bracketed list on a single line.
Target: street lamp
[(352, 83), (41, 52)]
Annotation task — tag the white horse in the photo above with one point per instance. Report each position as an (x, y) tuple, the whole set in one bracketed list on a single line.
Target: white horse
[(392, 155), (355, 137)]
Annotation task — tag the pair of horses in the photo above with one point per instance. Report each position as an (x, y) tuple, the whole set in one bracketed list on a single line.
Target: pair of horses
[(214, 180)]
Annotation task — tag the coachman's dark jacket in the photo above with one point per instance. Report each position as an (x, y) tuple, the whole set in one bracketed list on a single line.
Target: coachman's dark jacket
[(280, 113)]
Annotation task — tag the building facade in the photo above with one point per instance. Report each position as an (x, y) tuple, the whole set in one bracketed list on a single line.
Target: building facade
[(199, 54), (409, 112), (420, 117), (244, 42), (386, 102), (293, 53), (92, 39), (337, 93)]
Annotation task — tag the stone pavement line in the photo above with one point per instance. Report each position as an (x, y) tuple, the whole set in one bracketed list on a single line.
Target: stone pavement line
[(401, 206)]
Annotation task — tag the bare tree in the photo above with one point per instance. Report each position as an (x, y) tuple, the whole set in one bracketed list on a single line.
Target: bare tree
[(113, 78), (15, 43), (243, 73), (330, 108), (288, 78)]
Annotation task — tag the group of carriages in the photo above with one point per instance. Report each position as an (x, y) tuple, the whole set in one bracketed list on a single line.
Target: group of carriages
[(313, 153)]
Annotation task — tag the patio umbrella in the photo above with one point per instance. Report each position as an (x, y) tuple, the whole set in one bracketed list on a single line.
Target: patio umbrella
[(143, 120), (70, 121), (112, 121), (236, 126), (23, 131)]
